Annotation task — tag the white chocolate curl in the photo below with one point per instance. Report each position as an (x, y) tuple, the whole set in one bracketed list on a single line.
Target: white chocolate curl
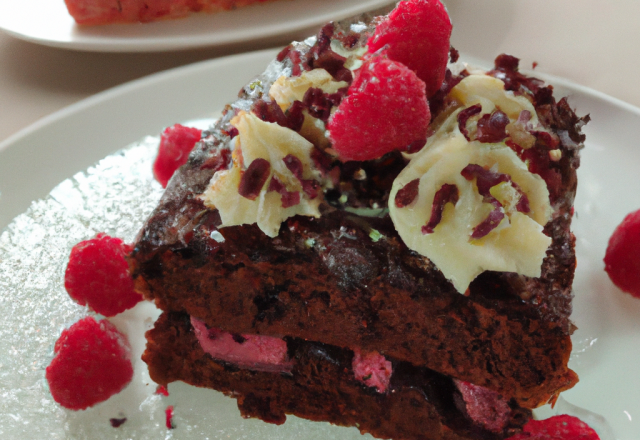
[(285, 90), (517, 244), (262, 140)]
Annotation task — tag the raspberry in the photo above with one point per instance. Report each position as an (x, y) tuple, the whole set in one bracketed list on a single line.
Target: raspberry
[(562, 427), (98, 276), (622, 260), (386, 109), (175, 144), (417, 35), (92, 362)]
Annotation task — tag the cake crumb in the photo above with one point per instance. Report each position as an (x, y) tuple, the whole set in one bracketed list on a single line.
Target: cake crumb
[(116, 423)]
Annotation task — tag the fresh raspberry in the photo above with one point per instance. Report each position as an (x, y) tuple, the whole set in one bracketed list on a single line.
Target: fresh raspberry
[(562, 427), (622, 259), (98, 276), (417, 34), (386, 109), (92, 362), (176, 143)]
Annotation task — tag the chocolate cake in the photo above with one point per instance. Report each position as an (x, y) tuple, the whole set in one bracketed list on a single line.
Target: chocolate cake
[(299, 281)]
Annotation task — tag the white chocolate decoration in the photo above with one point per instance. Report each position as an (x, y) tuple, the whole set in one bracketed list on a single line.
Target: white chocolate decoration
[(517, 244), (489, 92), (269, 141), (353, 55), (285, 90)]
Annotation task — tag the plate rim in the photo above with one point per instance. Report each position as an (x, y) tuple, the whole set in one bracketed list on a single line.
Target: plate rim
[(188, 69), (125, 88), (52, 129)]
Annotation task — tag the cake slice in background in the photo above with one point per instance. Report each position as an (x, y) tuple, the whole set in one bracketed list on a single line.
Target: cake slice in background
[(99, 12), (423, 291)]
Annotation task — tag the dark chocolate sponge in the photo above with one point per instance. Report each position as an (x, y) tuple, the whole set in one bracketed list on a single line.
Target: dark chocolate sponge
[(347, 281), (421, 404)]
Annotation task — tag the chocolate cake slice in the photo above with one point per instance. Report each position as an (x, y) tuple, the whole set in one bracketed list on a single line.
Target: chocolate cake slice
[(416, 288)]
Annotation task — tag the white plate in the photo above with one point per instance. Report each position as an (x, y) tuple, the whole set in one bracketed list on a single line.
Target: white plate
[(48, 22), (605, 353)]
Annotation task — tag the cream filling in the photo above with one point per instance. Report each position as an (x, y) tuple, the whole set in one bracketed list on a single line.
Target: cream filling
[(263, 140), (518, 243), (285, 90)]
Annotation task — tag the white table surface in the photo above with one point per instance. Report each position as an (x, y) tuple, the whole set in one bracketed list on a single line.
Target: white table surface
[(594, 43)]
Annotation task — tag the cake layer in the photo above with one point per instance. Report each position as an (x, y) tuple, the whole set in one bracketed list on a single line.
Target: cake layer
[(327, 280), (420, 404)]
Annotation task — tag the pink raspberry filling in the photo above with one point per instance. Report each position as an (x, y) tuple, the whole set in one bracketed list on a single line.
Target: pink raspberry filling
[(372, 369), (484, 406), (253, 352)]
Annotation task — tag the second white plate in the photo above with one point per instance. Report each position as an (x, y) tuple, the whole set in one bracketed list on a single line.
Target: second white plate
[(47, 22)]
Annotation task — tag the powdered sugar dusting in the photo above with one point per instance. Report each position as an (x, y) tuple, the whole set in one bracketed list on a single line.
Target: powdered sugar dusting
[(114, 196)]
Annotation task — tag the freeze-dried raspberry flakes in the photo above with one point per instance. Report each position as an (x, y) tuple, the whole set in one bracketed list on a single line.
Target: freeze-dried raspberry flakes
[(621, 260), (386, 109), (162, 391), (176, 142), (168, 414), (98, 276), (116, 423), (446, 194), (417, 35), (92, 362), (562, 427)]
